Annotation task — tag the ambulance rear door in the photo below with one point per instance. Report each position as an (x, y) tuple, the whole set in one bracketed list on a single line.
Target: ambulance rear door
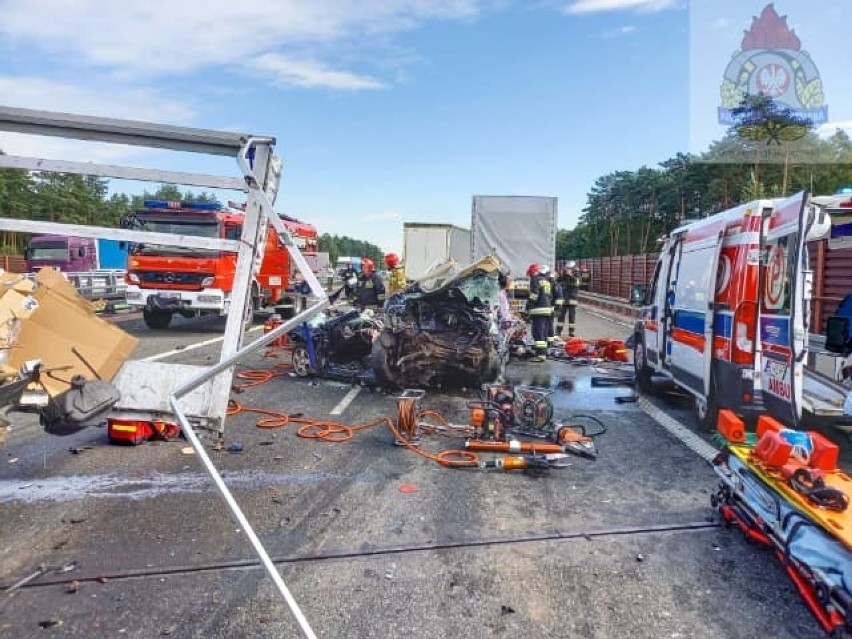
[(783, 316)]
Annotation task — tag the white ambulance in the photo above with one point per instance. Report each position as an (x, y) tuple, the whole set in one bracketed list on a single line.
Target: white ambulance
[(727, 312)]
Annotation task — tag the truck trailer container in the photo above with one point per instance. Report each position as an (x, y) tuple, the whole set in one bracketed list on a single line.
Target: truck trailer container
[(518, 230), (427, 245)]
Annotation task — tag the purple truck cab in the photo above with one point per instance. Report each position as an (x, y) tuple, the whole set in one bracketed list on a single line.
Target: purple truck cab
[(68, 254)]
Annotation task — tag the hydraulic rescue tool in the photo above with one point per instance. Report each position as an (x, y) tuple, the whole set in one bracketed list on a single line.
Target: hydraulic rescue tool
[(504, 414)]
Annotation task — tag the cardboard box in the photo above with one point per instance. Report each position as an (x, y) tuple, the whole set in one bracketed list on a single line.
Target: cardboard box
[(15, 307), (16, 282), (64, 333)]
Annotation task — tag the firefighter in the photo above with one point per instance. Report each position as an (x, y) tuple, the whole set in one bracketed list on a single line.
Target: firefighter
[(570, 282), (540, 311), (350, 281), (585, 277), (558, 305), (396, 281), (371, 290)]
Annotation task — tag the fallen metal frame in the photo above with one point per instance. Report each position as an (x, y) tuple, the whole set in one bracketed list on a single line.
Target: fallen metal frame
[(260, 170)]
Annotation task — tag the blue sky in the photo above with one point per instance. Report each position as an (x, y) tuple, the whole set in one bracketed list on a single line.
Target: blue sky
[(385, 111)]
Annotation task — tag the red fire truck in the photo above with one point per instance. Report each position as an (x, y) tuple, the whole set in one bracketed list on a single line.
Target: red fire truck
[(164, 280)]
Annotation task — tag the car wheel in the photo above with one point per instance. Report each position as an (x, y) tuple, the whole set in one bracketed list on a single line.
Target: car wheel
[(301, 361)]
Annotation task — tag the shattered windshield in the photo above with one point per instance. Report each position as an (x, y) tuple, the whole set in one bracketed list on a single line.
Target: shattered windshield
[(483, 287)]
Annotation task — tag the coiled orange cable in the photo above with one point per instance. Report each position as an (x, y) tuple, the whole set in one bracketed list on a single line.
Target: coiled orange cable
[(408, 418)]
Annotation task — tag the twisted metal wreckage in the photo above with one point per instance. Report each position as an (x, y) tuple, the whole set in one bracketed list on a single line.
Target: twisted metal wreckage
[(441, 330)]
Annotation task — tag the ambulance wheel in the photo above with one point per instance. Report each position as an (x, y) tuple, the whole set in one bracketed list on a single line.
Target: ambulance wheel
[(301, 361), (640, 367), (707, 411), (157, 320)]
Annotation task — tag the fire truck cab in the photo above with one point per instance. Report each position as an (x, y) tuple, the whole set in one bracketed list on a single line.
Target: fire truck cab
[(164, 280), (727, 312)]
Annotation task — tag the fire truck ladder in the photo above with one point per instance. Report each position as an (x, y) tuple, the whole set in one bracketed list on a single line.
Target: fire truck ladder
[(205, 390)]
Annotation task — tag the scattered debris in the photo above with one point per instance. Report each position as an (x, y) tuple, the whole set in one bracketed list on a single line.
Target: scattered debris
[(507, 610), (76, 520), (37, 573), (235, 447), (79, 449), (627, 399), (13, 460), (50, 623), (408, 489), (640, 558), (267, 443), (187, 450), (73, 587), (102, 579)]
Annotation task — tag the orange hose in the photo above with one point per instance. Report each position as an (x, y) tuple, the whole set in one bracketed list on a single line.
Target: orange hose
[(338, 432)]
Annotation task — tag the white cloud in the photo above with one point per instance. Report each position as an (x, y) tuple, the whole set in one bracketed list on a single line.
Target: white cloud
[(310, 73), (113, 101), (596, 6), (186, 35), (829, 128), (614, 33), (106, 101)]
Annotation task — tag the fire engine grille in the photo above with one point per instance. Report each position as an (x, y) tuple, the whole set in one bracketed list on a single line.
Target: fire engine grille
[(167, 278)]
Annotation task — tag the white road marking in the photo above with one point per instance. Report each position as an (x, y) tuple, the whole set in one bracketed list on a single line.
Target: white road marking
[(347, 399), (681, 432), (191, 347)]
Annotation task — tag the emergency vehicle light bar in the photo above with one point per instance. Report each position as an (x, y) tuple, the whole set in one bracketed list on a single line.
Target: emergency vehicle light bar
[(171, 204)]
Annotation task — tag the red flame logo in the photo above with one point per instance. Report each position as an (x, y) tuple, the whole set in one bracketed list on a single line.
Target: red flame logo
[(770, 31)]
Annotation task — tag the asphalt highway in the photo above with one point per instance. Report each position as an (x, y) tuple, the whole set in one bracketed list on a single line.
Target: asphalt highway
[(373, 540)]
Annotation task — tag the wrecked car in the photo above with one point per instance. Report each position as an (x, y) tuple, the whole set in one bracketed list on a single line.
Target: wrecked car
[(442, 330), (341, 347)]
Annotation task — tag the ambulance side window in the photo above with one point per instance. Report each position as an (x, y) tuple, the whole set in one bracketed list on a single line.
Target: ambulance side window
[(651, 295), (233, 231)]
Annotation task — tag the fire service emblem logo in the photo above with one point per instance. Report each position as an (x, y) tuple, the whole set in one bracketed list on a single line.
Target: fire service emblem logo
[(773, 64)]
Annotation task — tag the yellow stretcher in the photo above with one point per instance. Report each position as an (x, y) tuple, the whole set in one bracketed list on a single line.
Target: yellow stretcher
[(839, 524)]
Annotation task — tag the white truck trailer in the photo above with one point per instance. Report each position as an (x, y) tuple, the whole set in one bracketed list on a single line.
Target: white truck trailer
[(427, 245), (518, 230)]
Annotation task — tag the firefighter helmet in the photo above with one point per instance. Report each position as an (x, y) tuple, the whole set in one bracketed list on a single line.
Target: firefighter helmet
[(544, 270), (391, 260), (571, 264), (367, 266), (532, 269)]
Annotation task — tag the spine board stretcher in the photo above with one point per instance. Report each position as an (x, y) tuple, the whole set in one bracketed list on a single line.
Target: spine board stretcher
[(813, 543)]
